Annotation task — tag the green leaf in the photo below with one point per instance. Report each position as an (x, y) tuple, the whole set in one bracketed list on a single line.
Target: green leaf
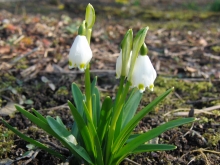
[(125, 133), (58, 119), (95, 101), (41, 124), (129, 147), (82, 127), (37, 121), (78, 100), (153, 147), (97, 144), (68, 138), (105, 118), (39, 115), (96, 106), (32, 141), (131, 106)]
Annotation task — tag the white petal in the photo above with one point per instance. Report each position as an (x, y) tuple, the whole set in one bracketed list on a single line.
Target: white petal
[(80, 53), (119, 65), (144, 73)]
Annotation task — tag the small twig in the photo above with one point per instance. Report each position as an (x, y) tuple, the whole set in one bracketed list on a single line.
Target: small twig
[(55, 108), (131, 161), (79, 72), (32, 157), (64, 150), (24, 55), (197, 111)]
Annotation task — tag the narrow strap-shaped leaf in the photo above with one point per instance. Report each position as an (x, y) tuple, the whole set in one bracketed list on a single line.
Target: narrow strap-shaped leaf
[(153, 147), (94, 110), (32, 141), (129, 147), (78, 98), (97, 104), (105, 117), (41, 124), (131, 106), (39, 115), (98, 152), (125, 133), (85, 132), (58, 119), (68, 138), (37, 121)]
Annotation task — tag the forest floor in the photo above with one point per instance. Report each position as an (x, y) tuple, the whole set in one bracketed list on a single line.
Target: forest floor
[(184, 46)]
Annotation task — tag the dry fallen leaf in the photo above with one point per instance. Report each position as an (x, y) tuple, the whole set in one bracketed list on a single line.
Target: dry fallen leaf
[(9, 109), (5, 66)]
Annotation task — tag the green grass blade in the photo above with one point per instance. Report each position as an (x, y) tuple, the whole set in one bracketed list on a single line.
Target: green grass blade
[(68, 138), (125, 133), (32, 141), (153, 147), (129, 147)]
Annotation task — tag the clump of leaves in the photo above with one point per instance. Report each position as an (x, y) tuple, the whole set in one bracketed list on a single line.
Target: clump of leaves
[(6, 141)]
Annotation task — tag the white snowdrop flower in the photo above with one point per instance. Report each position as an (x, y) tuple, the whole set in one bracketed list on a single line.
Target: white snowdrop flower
[(144, 74), (80, 53), (119, 65)]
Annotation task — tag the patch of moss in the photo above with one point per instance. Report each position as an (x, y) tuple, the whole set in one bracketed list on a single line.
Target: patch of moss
[(183, 91), (62, 91), (22, 64), (216, 49), (6, 141), (213, 139)]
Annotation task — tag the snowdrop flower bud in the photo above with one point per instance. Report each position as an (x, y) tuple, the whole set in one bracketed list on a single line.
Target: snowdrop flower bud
[(144, 73), (124, 59), (119, 65), (80, 52), (90, 16)]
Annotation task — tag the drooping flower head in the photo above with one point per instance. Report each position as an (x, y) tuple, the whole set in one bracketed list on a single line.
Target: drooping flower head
[(80, 51), (144, 73)]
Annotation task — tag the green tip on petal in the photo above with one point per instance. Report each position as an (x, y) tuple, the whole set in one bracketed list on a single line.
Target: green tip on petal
[(70, 63), (151, 87), (82, 66), (90, 16), (144, 50), (82, 29), (141, 87)]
